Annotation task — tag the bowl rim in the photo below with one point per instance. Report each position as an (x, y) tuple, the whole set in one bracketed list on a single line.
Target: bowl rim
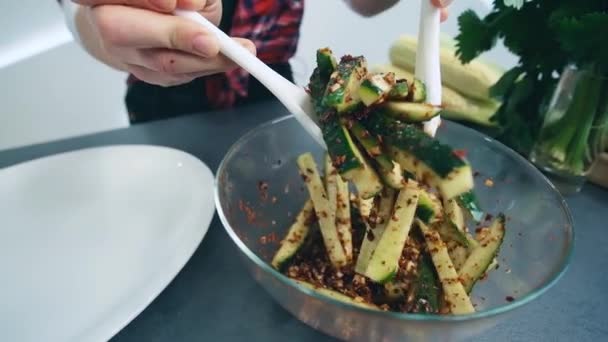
[(517, 303)]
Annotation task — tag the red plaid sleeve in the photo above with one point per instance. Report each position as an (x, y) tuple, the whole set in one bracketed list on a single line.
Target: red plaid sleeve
[(274, 28)]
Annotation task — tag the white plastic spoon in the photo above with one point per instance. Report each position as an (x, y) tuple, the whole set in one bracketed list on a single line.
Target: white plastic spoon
[(427, 59), (293, 97)]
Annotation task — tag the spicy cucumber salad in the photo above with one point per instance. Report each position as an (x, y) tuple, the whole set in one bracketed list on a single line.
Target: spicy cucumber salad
[(386, 222)]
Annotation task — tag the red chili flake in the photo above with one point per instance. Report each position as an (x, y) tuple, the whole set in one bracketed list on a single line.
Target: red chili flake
[(509, 299), (489, 217), (251, 216), (263, 190), (460, 153)]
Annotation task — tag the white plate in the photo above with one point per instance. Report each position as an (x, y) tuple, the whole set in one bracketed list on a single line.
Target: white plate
[(89, 238)]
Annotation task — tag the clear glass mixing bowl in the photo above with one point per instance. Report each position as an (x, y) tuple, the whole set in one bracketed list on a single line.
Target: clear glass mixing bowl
[(535, 253)]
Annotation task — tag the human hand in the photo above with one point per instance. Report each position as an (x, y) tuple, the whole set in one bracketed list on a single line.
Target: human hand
[(443, 4), (155, 46)]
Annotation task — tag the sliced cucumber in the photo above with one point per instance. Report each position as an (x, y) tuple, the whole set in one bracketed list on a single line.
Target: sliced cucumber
[(411, 112), (342, 91), (336, 295), (373, 233), (375, 88), (327, 63), (384, 262), (326, 217), (418, 91), (481, 257), (453, 290), (366, 205), (454, 214), (296, 235), (331, 175), (468, 201), (431, 161), (399, 91), (427, 287), (450, 232), (389, 171), (347, 158), (429, 208), (343, 218)]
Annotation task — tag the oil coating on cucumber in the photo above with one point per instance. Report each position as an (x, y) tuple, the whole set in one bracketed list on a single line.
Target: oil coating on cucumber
[(481, 257), (384, 262), (327, 63), (417, 91), (296, 235), (468, 201), (342, 91), (427, 287), (429, 208), (399, 91), (375, 88), (389, 170), (430, 160), (412, 112), (336, 295)]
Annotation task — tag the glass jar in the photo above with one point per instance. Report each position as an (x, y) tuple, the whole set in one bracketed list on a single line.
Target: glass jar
[(575, 128)]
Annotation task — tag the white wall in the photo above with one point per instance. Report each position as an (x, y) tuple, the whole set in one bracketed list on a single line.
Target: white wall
[(50, 89), (331, 23)]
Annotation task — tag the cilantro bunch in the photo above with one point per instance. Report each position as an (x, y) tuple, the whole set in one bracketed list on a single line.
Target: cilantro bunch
[(546, 35)]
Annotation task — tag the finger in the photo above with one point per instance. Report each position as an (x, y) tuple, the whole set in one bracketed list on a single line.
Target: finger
[(441, 3), (133, 27), (157, 5), (444, 14), (158, 78), (177, 62)]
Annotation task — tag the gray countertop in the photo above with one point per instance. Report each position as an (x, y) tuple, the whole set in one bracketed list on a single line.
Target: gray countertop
[(204, 304)]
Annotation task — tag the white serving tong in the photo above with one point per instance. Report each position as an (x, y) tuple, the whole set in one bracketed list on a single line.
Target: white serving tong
[(298, 101)]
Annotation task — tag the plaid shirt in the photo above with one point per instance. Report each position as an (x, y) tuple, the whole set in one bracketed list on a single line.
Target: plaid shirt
[(273, 26)]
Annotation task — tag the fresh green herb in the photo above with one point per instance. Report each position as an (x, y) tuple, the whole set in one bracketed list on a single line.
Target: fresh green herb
[(546, 36)]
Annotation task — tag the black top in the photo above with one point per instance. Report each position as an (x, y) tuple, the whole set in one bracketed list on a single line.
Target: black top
[(147, 102)]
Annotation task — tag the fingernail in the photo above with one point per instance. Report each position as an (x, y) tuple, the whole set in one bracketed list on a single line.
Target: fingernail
[(203, 44)]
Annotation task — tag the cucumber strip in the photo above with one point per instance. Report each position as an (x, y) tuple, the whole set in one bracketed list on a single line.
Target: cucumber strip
[(331, 175), (375, 88), (336, 295), (399, 91), (411, 112), (453, 291), (326, 217), (481, 257), (372, 235), (389, 170), (454, 213), (430, 160), (327, 63), (429, 208), (343, 219), (427, 286), (458, 253), (450, 232), (384, 262), (296, 235), (468, 201), (459, 181), (418, 91), (342, 92)]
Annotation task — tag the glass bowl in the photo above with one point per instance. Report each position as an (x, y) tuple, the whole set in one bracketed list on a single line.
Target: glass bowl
[(534, 255)]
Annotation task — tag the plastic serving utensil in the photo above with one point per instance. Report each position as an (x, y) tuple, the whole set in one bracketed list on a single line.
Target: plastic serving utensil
[(427, 59), (293, 97)]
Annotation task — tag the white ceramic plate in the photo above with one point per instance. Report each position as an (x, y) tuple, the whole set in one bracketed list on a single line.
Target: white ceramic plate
[(89, 238)]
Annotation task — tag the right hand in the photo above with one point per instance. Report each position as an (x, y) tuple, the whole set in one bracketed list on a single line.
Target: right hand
[(155, 46)]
